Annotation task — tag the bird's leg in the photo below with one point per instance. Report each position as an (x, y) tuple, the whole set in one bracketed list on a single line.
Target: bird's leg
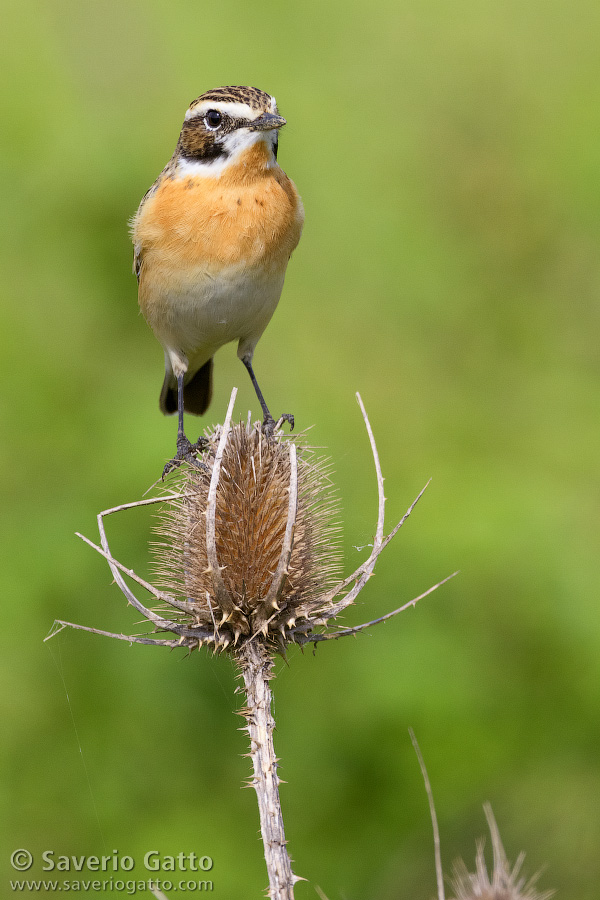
[(269, 422), (182, 442), (186, 451)]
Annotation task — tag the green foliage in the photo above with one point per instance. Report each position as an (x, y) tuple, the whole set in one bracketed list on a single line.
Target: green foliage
[(447, 155)]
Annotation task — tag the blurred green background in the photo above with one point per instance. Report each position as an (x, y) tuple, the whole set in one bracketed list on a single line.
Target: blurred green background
[(448, 156)]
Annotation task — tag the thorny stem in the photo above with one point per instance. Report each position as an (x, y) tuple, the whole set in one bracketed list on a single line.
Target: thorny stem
[(256, 665)]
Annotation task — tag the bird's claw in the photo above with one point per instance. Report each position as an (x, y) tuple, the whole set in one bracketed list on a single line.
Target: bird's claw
[(186, 452), (270, 426)]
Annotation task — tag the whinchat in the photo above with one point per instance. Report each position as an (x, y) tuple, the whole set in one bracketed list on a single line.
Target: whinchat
[(212, 239)]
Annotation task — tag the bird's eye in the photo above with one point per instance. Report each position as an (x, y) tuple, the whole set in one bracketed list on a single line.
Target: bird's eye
[(213, 118)]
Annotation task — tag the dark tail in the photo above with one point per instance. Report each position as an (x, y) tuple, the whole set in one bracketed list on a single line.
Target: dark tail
[(197, 392)]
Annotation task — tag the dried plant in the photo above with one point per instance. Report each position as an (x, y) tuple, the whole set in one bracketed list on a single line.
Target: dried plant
[(274, 510), (248, 560), (505, 883)]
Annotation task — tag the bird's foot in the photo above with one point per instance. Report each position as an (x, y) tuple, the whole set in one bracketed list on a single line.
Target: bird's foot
[(270, 426), (186, 452)]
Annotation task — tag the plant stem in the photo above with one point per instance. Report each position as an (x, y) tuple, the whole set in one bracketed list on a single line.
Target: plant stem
[(256, 665)]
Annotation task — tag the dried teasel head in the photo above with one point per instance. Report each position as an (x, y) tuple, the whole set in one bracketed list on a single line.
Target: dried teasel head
[(505, 882), (251, 546), (249, 549)]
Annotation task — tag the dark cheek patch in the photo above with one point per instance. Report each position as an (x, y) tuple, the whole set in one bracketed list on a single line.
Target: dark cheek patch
[(199, 144)]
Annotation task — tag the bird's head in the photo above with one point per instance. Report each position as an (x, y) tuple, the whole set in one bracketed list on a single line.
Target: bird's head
[(223, 123)]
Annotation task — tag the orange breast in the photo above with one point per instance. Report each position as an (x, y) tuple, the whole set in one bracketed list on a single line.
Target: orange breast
[(251, 215)]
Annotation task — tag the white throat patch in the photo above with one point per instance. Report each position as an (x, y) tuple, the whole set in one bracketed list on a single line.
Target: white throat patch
[(235, 144)]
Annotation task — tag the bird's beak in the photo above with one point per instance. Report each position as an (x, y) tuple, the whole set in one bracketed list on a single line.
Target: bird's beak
[(266, 122)]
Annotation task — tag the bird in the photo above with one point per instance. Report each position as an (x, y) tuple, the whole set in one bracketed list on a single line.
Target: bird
[(212, 240)]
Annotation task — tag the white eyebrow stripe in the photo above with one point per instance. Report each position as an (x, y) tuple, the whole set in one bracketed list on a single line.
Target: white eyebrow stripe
[(238, 110)]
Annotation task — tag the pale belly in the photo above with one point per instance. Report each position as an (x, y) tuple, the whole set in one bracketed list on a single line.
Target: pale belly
[(194, 316)]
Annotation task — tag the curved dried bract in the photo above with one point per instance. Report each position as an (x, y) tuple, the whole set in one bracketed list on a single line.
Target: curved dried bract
[(227, 607), (270, 606)]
